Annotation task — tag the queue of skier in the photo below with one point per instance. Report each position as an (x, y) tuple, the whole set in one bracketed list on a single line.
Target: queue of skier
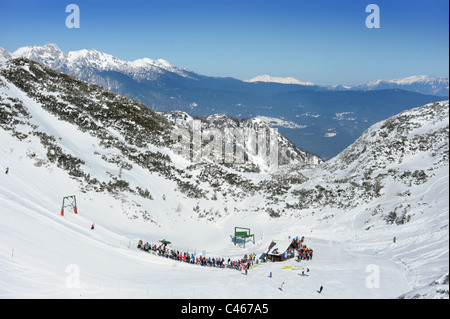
[(191, 258)]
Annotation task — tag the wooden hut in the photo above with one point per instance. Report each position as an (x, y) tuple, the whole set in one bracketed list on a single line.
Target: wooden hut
[(280, 250)]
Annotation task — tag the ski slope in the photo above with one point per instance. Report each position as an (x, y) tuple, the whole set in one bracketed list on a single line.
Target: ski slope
[(45, 255)]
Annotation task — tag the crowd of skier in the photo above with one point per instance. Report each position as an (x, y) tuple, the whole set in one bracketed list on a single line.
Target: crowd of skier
[(304, 253), (244, 263)]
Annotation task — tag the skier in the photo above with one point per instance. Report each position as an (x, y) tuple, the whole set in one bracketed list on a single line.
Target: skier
[(270, 275), (7, 170), (282, 286), (395, 239), (320, 289), (92, 227)]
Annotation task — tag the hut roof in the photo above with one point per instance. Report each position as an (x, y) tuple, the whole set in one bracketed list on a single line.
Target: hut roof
[(278, 247)]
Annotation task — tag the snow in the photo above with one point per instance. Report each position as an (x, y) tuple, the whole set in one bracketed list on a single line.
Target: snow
[(142, 62), (407, 80), (49, 249), (276, 79), (46, 255)]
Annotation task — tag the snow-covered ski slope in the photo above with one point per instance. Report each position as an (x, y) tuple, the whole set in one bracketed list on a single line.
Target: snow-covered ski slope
[(46, 255)]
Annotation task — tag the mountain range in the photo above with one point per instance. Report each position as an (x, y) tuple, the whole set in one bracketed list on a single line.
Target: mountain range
[(322, 120), (420, 83)]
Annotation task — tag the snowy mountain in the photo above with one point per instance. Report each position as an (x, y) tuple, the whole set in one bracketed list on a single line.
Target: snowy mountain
[(275, 79), (164, 87), (81, 63), (62, 136), (419, 83)]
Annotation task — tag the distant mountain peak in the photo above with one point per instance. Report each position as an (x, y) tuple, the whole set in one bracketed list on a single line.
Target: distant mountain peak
[(275, 79), (49, 54), (407, 80)]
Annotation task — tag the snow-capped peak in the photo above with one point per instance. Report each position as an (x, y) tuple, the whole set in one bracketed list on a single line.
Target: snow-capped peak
[(29, 51), (275, 79), (49, 54), (93, 58), (415, 78), (74, 61)]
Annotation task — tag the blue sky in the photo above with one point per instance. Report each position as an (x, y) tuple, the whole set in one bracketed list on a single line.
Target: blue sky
[(326, 42)]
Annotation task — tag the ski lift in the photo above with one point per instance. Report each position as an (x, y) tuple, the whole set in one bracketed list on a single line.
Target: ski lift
[(69, 201)]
